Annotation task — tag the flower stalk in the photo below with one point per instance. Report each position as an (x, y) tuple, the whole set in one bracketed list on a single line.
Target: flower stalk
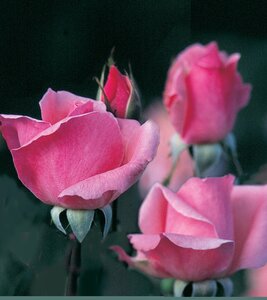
[(73, 267)]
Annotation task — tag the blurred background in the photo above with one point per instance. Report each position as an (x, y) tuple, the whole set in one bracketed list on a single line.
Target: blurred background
[(63, 45)]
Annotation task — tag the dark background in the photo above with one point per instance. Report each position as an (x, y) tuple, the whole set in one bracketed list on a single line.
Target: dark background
[(63, 45)]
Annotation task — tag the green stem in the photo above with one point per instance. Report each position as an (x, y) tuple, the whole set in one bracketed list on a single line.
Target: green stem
[(73, 267)]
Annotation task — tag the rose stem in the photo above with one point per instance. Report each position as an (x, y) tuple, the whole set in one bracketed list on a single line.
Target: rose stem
[(73, 267)]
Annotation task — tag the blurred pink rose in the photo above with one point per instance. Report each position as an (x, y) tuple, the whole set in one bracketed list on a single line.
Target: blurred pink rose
[(204, 93), (208, 229), (120, 92), (257, 282), (79, 155), (161, 166)]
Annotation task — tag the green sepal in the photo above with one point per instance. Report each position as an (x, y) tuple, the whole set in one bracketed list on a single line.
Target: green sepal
[(166, 286), (207, 288), (107, 211), (177, 147), (227, 286), (80, 222), (179, 287), (134, 106), (207, 157), (55, 215), (101, 84)]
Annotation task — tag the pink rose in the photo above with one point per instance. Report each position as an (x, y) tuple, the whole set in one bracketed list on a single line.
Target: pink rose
[(79, 155), (208, 229), (204, 93), (161, 166), (120, 93)]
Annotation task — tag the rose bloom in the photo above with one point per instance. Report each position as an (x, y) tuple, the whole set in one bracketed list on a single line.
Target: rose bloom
[(208, 229), (204, 93), (79, 155), (161, 166)]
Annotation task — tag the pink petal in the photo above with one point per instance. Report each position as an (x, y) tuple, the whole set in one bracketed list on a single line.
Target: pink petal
[(19, 130), (240, 91), (117, 90), (129, 129), (175, 96), (141, 264), (140, 150), (212, 58), (164, 211), (216, 87), (185, 257), (250, 225), (152, 214), (211, 198), (56, 106), (69, 152)]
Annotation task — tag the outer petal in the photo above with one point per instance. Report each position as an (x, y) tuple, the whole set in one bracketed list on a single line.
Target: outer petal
[(19, 130), (250, 225), (56, 106), (218, 89), (186, 257), (140, 150), (175, 93), (211, 198), (163, 211), (139, 262), (71, 151)]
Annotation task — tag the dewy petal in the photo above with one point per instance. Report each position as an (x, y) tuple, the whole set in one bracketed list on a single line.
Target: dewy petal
[(56, 106), (141, 149), (80, 147), (186, 257), (19, 130), (163, 211), (211, 198), (250, 226)]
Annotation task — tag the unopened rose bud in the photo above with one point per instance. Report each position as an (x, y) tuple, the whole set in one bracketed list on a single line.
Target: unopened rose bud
[(204, 92), (120, 95)]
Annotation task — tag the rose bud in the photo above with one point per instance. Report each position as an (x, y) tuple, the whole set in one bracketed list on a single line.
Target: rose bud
[(204, 92), (79, 156), (209, 229), (120, 95)]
